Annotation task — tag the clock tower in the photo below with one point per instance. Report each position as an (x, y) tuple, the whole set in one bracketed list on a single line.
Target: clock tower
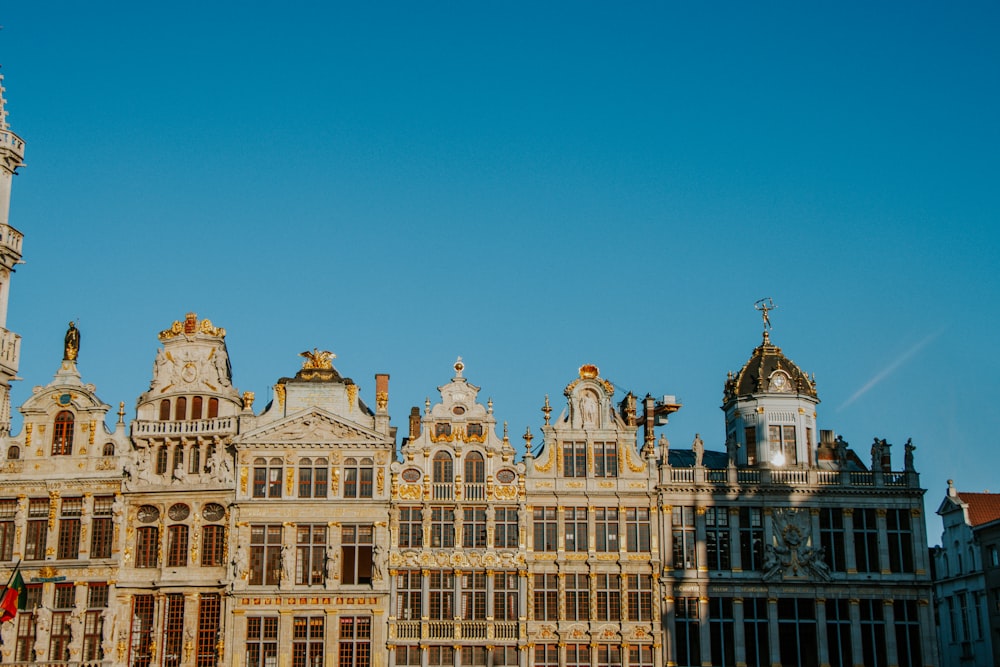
[(11, 157)]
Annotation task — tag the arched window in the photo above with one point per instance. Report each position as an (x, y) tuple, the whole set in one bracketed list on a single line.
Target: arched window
[(62, 433), (475, 476), (267, 478), (161, 459), (443, 476), (350, 478), (365, 478), (178, 458), (196, 407), (164, 410), (180, 409), (313, 475), (195, 460), (14, 453), (213, 408), (109, 449)]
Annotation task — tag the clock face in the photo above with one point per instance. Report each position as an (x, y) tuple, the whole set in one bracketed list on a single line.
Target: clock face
[(178, 512), (213, 512)]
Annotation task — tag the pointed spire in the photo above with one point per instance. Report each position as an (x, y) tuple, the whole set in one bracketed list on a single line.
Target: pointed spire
[(3, 107)]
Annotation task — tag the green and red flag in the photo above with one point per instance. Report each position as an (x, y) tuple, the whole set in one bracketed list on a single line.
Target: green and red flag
[(13, 597)]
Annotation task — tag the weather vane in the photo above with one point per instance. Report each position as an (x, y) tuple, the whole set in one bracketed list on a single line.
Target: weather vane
[(765, 306)]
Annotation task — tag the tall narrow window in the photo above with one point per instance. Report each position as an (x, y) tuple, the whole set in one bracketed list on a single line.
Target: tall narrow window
[(265, 554), (147, 546), (606, 519), (173, 630), (575, 528), (60, 632), (443, 527), (443, 476), (365, 474), (310, 556), (165, 410), (177, 544), (209, 615), (682, 520), (411, 528), (474, 527), (161, 460), (544, 528), (37, 529), (141, 632), (505, 528), (267, 477), (475, 476), (409, 602), (546, 597), (194, 460), (755, 632), (782, 441), (866, 540), (8, 510), (473, 596), (723, 637), (313, 478), (838, 633), (93, 621), (873, 637), (575, 459), (213, 542), (356, 545), (213, 408), (69, 528), (609, 598), (442, 595), (62, 433), (797, 632), (355, 641), (577, 597), (717, 538), (262, 641), (750, 436), (196, 407), (605, 459), (688, 633), (907, 626), (640, 597), (831, 534), (637, 529), (505, 596), (900, 539), (307, 641), (180, 409)]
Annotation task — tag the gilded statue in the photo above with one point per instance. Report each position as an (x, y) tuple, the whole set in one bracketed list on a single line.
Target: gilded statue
[(71, 343), (317, 358)]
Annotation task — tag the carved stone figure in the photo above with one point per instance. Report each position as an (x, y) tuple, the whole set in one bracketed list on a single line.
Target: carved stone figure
[(792, 555), (287, 563), (71, 343), (376, 563), (908, 455), (240, 562), (876, 453), (588, 406), (331, 563), (664, 448), (841, 446), (220, 466), (698, 447)]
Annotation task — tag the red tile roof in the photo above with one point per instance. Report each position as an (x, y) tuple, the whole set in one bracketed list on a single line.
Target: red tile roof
[(983, 507)]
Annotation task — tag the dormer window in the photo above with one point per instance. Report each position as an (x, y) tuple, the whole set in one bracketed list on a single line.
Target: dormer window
[(442, 430), (62, 434), (14, 453), (474, 430)]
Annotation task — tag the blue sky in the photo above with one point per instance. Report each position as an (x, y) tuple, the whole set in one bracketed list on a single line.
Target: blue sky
[(532, 186)]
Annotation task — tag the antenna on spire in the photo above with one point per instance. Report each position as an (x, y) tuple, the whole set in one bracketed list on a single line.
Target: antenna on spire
[(765, 306)]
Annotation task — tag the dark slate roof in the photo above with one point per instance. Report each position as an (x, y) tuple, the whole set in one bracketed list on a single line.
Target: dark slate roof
[(753, 378)]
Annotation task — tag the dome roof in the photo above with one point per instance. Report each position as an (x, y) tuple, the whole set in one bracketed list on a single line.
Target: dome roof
[(769, 371)]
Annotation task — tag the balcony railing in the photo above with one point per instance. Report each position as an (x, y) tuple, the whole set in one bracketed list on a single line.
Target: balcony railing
[(442, 491), (440, 629), (194, 426), (475, 492), (407, 629), (498, 630), (792, 476), (505, 630), (473, 629), (11, 239)]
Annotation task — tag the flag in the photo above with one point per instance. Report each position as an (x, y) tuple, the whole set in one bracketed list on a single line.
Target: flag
[(13, 597)]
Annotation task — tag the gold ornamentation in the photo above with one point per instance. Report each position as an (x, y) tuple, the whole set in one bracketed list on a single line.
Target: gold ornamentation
[(381, 399), (279, 391), (27, 435), (589, 372), (243, 478), (410, 491), (548, 464), (352, 395), (380, 481), (248, 398), (628, 460), (290, 480), (318, 359)]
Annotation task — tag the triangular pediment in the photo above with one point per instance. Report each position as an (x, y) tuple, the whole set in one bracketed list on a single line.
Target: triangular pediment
[(312, 426)]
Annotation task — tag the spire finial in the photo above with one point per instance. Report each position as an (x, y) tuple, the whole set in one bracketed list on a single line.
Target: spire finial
[(459, 367), (765, 306), (121, 412)]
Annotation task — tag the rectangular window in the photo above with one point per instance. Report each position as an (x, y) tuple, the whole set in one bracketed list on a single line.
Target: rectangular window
[(688, 633), (637, 529), (474, 527), (640, 597), (577, 655), (473, 656), (141, 632), (797, 632), (93, 621), (574, 459), (442, 595), (751, 538), (356, 546), (682, 521), (782, 440), (750, 436), (262, 641), (838, 633), (102, 528), (505, 596), (546, 597), (873, 633), (8, 509), (209, 615), (411, 528), (177, 545), (907, 627), (365, 485), (831, 535), (606, 520), (307, 641), (60, 633), (440, 656), (723, 637), (755, 632), (443, 527), (310, 554), (37, 529), (505, 528), (605, 459), (408, 595), (267, 478), (407, 656), (173, 630), (577, 597), (213, 543), (147, 546), (900, 537), (544, 528), (865, 540), (69, 529), (640, 655), (575, 525), (546, 655), (265, 555), (609, 655), (474, 596), (609, 598), (717, 538)]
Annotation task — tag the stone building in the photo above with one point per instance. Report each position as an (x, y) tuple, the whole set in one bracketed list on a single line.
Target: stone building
[(306, 536)]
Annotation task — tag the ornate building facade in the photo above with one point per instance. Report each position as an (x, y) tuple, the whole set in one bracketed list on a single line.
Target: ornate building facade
[(305, 535)]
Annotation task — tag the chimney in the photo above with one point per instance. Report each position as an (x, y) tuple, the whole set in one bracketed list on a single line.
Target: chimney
[(414, 423)]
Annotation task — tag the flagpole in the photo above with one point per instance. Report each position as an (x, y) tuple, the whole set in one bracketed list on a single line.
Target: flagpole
[(12, 574)]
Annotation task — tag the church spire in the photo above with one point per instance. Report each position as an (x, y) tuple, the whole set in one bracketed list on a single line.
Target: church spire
[(11, 157)]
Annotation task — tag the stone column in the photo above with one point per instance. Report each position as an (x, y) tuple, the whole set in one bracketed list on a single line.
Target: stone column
[(736, 553), (773, 638), (822, 643), (854, 610), (883, 542), (850, 560), (739, 633)]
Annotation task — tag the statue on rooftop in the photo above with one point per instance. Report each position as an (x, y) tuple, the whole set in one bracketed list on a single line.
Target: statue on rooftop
[(71, 343)]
